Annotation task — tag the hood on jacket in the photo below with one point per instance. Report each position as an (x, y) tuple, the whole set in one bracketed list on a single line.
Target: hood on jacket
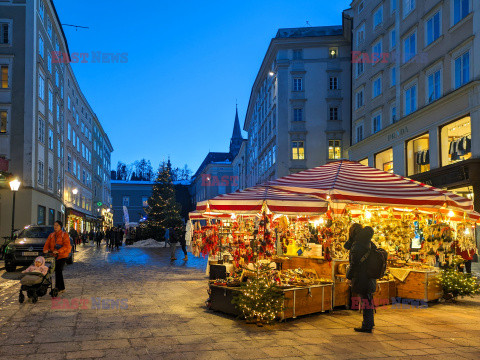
[(365, 235), (41, 259)]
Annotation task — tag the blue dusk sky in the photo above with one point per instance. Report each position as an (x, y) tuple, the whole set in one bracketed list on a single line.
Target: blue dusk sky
[(188, 63)]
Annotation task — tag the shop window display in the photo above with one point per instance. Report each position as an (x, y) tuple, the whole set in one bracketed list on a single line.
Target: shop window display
[(456, 141), (418, 155), (384, 160)]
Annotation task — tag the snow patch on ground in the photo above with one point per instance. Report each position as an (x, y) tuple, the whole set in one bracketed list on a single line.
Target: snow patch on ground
[(148, 243)]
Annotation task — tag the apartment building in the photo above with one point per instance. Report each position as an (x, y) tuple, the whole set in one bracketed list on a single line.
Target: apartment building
[(36, 103), (298, 115), (416, 90)]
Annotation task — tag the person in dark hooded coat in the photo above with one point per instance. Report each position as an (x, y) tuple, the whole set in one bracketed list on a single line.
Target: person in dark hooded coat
[(359, 244)]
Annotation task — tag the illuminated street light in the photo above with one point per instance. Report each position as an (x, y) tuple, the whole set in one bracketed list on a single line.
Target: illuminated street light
[(75, 191), (14, 186)]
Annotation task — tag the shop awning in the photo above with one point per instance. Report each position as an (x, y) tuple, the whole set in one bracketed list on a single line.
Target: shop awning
[(252, 200), (349, 182)]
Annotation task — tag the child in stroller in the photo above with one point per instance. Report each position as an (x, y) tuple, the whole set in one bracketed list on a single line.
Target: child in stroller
[(38, 279)]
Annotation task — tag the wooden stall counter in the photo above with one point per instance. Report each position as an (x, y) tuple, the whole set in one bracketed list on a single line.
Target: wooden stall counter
[(417, 284)]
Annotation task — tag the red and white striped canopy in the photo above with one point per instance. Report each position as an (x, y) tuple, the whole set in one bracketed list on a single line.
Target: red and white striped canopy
[(251, 200), (349, 182)]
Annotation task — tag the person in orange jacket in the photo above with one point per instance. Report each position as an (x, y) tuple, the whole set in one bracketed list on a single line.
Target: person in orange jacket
[(58, 243)]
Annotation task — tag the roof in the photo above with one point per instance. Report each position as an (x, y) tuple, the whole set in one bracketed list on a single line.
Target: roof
[(312, 31), (214, 158)]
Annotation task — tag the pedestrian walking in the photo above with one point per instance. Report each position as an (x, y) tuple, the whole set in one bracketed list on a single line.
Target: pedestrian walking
[(58, 243), (98, 237), (360, 245), (74, 235), (178, 236), (91, 235)]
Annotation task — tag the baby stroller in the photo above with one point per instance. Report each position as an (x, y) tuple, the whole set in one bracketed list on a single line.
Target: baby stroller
[(36, 284)]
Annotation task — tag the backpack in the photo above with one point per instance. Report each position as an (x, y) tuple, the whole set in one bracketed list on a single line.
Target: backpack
[(376, 260)]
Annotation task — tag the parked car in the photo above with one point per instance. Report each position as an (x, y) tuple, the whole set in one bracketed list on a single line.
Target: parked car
[(28, 245)]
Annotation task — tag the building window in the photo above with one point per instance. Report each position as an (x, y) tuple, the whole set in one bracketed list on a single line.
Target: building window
[(41, 210), (410, 47), (3, 121), (333, 113), (461, 8), (393, 39), (41, 130), (456, 141), (298, 150), (393, 114), (49, 27), (359, 132), (73, 137), (408, 7), (40, 172), (377, 122), (377, 51), (334, 149), (297, 54), (378, 17), (418, 155), (50, 178), (361, 35), (69, 103), (50, 100), (333, 83), (297, 84), (360, 67), (433, 28), (359, 99), (41, 87), (462, 70), (298, 114), (50, 139), (41, 46), (434, 86), (59, 148), (74, 167), (4, 75), (360, 7), (49, 62), (4, 33), (384, 160), (377, 87), (126, 201), (411, 99), (393, 76), (393, 6)]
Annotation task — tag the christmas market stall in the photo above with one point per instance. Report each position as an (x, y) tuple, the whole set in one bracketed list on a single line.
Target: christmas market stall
[(286, 237)]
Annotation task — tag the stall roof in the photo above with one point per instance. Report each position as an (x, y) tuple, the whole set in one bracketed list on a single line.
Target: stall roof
[(252, 200), (349, 182)]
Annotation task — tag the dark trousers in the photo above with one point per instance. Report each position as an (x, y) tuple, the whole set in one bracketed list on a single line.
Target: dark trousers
[(468, 266), (368, 310), (59, 265)]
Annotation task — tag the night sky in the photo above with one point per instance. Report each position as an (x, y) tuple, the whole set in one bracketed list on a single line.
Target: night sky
[(185, 64)]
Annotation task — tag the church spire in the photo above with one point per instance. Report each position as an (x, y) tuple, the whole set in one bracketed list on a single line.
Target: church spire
[(237, 138)]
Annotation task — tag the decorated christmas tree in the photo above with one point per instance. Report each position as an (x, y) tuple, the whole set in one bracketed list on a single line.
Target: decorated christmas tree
[(456, 283), (162, 211), (260, 299)]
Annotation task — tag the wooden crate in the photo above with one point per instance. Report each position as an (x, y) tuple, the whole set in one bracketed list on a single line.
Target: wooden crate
[(341, 293), (303, 301), (386, 290), (322, 267), (221, 299), (420, 285)]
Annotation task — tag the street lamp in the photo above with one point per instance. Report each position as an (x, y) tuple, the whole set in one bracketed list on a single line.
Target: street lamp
[(75, 191), (14, 186)]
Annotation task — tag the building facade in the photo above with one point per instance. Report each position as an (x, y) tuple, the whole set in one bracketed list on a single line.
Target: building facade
[(35, 111), (298, 115), (416, 94), (216, 174), (130, 197)]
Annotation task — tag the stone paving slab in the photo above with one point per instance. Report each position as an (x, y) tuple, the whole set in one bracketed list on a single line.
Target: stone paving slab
[(164, 317)]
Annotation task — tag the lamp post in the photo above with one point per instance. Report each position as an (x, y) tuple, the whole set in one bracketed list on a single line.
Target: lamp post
[(14, 186)]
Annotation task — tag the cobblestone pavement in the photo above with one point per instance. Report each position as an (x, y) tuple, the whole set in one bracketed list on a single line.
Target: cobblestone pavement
[(166, 319)]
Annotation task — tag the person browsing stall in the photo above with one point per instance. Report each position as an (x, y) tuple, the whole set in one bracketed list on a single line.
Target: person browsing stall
[(58, 243)]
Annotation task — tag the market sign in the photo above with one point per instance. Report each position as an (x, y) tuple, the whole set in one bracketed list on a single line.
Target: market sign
[(99, 203)]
